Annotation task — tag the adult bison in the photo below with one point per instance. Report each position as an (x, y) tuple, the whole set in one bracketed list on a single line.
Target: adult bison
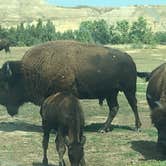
[(156, 97), (88, 71), (4, 44)]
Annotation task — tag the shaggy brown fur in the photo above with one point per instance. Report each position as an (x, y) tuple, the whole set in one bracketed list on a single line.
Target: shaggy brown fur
[(88, 71), (156, 90), (63, 113), (156, 97)]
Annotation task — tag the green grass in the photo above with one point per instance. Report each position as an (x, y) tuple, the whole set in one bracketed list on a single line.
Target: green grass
[(21, 136)]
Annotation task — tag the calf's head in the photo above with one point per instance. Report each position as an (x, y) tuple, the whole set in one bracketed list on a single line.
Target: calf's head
[(76, 151), (11, 89)]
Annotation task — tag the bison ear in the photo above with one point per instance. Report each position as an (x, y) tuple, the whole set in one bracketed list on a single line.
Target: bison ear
[(6, 70)]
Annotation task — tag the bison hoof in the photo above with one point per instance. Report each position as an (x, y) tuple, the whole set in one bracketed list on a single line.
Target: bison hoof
[(105, 129), (45, 162)]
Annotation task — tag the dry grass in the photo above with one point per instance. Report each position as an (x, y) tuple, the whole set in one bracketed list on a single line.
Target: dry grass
[(21, 136)]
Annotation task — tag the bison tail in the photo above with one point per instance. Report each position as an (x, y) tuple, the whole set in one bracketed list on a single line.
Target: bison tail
[(144, 75)]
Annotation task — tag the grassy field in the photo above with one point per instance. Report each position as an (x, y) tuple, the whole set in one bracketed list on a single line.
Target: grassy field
[(20, 137)]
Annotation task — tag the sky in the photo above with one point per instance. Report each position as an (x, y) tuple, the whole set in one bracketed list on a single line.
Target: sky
[(71, 3)]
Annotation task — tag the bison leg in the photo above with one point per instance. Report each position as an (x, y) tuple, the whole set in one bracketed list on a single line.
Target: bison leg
[(60, 146), (7, 50), (133, 103), (45, 145), (113, 109)]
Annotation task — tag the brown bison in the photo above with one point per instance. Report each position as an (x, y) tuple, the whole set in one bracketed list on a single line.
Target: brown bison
[(156, 97), (88, 71), (63, 113), (4, 44)]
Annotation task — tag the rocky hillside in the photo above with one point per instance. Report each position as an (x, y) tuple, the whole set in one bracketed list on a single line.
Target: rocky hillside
[(13, 12)]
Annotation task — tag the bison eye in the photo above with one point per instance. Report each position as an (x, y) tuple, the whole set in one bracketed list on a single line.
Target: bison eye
[(4, 86)]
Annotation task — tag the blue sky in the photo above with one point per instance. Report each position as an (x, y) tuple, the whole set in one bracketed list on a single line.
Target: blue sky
[(70, 3)]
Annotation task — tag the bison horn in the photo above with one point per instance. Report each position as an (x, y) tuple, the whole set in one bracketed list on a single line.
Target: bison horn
[(8, 70), (149, 96), (159, 105)]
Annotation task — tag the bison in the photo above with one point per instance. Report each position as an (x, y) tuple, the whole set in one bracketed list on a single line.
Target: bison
[(156, 97), (62, 112), (5, 44), (86, 70)]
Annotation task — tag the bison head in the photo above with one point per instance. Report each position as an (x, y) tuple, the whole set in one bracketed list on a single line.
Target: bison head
[(11, 89), (76, 151), (159, 120)]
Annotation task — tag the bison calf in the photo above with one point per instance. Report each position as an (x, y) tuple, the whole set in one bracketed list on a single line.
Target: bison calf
[(63, 113)]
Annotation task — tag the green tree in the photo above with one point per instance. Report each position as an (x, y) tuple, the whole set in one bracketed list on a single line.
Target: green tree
[(12, 36), (115, 37), (89, 32), (29, 36), (96, 31), (39, 31), (100, 32), (86, 26), (122, 30), (3, 33), (140, 32), (68, 35), (160, 37), (20, 30), (49, 31), (83, 36)]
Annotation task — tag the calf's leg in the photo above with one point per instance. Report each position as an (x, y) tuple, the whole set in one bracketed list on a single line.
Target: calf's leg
[(45, 146), (61, 148)]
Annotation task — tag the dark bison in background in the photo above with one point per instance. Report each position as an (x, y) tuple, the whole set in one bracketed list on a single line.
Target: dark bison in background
[(156, 97), (88, 71), (4, 44)]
